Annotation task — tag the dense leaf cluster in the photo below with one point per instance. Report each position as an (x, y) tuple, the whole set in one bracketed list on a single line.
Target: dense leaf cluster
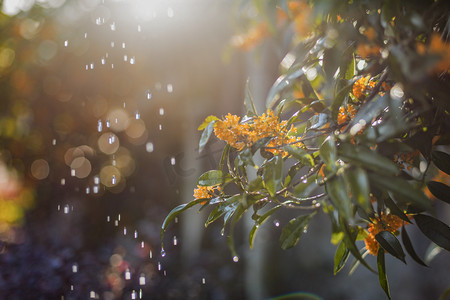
[(367, 92)]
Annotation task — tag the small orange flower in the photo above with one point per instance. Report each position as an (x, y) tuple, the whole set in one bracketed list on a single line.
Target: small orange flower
[(346, 115), (205, 192), (388, 222)]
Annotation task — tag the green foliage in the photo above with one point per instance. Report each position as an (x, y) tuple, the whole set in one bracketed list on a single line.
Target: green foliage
[(366, 91)]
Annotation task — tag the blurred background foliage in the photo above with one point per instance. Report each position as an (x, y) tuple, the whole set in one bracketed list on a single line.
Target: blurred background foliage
[(100, 101)]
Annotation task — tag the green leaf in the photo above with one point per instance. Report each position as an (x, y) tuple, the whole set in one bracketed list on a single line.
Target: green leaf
[(281, 83), (250, 105), (437, 231), (293, 230), (175, 212), (223, 208), (382, 278), (395, 209), (207, 121), (359, 185), (206, 135), (259, 222), (401, 188), (368, 159), (349, 240), (225, 153), (328, 153), (340, 257), (337, 191), (441, 160), (300, 154), (273, 174), (210, 178), (390, 243), (439, 190), (409, 247)]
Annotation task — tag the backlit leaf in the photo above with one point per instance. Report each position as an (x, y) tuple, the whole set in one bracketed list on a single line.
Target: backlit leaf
[(382, 278), (293, 230), (390, 243), (206, 135), (409, 247), (340, 257)]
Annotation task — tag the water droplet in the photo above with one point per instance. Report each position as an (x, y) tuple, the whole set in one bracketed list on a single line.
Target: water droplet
[(172, 161), (305, 230), (161, 111), (66, 43), (92, 294), (113, 26), (87, 67), (112, 66), (99, 126), (139, 28), (159, 266), (151, 254), (160, 126), (108, 219), (149, 147), (103, 60), (111, 139), (124, 231), (85, 35), (59, 207), (148, 94), (203, 280), (92, 66), (169, 88), (71, 287), (176, 220), (66, 209), (114, 162), (127, 274), (74, 268), (276, 223), (125, 57), (135, 234), (123, 45), (140, 293), (137, 115), (88, 190), (116, 223), (118, 217), (63, 181), (142, 279), (132, 60), (112, 44), (175, 241), (133, 294), (96, 179), (95, 189), (72, 172), (108, 123), (163, 252), (236, 259), (165, 272)]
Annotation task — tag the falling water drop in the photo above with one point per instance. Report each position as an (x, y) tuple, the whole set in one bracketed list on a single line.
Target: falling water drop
[(151, 254), (160, 126), (235, 259), (108, 123), (108, 219), (127, 274), (137, 115), (148, 94), (142, 244), (170, 12), (96, 179), (169, 88), (172, 161), (139, 28), (149, 147), (92, 66), (163, 253), (74, 268), (111, 139), (113, 179), (66, 209), (63, 181), (124, 231), (112, 44), (112, 66), (140, 293), (59, 207), (116, 223), (125, 57), (161, 111), (95, 189), (176, 220), (132, 60), (113, 26), (203, 280), (66, 43), (72, 172), (103, 60), (123, 45), (175, 241), (142, 279), (159, 266), (133, 294), (88, 190), (87, 67), (92, 295), (276, 223), (85, 35), (99, 126)]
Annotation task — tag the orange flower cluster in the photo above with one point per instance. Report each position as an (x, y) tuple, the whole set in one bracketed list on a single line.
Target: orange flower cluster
[(440, 48), (346, 115), (387, 222), (244, 135), (361, 86), (300, 11), (251, 38), (406, 159), (205, 192)]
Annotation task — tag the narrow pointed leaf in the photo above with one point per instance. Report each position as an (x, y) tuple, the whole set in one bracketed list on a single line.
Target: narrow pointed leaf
[(340, 257), (206, 135), (293, 230), (359, 185), (395, 209), (328, 153), (441, 160), (273, 174), (175, 212), (389, 242), (409, 247), (261, 220), (382, 278), (300, 154), (439, 190), (337, 191), (437, 231)]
